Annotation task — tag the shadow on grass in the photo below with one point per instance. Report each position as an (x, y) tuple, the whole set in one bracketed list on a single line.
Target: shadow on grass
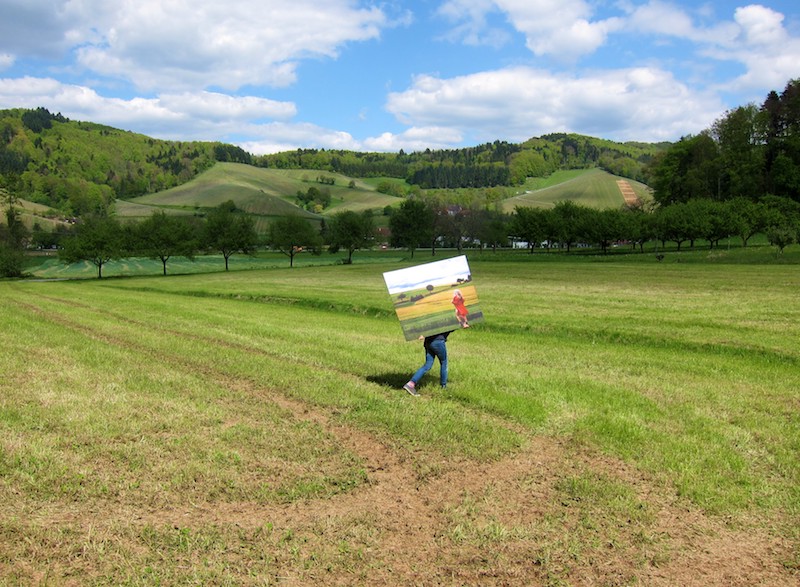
[(393, 380)]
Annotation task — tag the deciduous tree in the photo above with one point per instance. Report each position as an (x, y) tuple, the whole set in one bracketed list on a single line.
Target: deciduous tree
[(351, 231), (97, 239), (229, 231), (162, 236), (291, 235)]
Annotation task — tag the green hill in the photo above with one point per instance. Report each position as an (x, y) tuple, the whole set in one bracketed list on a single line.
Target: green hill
[(64, 169), (594, 188), (264, 193)]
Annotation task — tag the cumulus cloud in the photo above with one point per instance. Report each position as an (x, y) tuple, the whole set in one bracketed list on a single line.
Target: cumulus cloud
[(768, 52), (184, 45), (560, 29), (200, 115), (520, 102), (755, 38), (277, 136)]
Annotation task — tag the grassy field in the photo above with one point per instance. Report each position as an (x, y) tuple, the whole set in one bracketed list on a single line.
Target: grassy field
[(261, 192), (594, 188), (619, 422)]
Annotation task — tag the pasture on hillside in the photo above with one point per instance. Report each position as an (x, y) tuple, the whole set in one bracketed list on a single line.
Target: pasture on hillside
[(609, 423), (263, 193), (593, 188)]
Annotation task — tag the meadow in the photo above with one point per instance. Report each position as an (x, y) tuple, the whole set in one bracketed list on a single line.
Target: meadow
[(619, 422)]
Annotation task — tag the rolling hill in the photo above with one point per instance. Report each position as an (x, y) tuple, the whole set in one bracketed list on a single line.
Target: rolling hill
[(58, 169), (271, 193), (263, 193), (594, 188)]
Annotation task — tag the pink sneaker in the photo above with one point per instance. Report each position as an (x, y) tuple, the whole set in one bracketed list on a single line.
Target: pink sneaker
[(411, 388)]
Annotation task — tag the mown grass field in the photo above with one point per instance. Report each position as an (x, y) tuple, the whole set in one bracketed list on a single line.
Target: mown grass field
[(594, 188), (260, 192), (623, 422)]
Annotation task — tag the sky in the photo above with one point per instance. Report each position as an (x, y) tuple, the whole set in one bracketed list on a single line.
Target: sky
[(444, 272), (385, 75)]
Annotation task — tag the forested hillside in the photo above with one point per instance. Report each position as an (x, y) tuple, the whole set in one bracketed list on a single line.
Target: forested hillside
[(488, 165), (751, 152), (80, 167)]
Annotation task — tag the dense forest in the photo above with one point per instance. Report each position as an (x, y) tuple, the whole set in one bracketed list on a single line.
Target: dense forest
[(492, 164), (751, 152)]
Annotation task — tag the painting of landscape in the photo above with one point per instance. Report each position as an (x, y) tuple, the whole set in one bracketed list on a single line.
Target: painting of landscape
[(425, 297)]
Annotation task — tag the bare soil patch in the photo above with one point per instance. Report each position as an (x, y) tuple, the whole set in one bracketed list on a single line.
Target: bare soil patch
[(630, 197), (502, 523)]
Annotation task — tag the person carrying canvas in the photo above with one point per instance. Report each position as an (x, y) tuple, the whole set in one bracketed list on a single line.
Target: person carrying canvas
[(435, 348), (461, 309)]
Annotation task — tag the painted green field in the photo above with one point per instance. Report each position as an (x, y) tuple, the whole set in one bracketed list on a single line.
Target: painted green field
[(609, 423)]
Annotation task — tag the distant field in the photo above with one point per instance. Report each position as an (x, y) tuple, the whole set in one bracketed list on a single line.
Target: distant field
[(265, 192), (613, 421), (593, 188)]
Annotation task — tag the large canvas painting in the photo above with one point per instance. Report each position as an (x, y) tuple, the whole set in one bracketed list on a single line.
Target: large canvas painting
[(434, 297)]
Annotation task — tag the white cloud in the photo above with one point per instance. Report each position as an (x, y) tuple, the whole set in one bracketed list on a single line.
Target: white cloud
[(472, 26), (761, 26), (6, 60), (415, 139), (769, 54), (214, 106), (278, 136), (560, 29), (200, 115), (182, 45), (520, 102)]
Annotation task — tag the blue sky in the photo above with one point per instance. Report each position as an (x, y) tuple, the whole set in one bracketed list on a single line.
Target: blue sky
[(274, 75)]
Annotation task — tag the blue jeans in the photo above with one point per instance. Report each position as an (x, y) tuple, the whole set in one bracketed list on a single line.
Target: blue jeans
[(437, 349)]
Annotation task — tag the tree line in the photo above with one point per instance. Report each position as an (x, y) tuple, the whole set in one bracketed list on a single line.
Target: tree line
[(750, 152), (420, 224), (225, 230), (491, 164)]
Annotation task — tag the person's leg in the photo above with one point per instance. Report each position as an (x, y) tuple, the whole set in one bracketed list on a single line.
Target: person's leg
[(429, 357), (439, 348)]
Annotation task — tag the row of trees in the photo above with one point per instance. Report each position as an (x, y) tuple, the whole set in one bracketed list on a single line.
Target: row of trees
[(99, 239), (417, 224), (226, 230)]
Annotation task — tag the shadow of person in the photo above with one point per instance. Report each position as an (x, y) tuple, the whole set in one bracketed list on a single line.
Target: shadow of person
[(394, 380)]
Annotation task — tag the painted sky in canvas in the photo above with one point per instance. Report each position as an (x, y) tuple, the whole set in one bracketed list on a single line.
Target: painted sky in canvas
[(274, 75), (445, 272)]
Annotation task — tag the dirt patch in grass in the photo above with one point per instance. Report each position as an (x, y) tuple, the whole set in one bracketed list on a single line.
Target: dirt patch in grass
[(555, 513), (628, 194)]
